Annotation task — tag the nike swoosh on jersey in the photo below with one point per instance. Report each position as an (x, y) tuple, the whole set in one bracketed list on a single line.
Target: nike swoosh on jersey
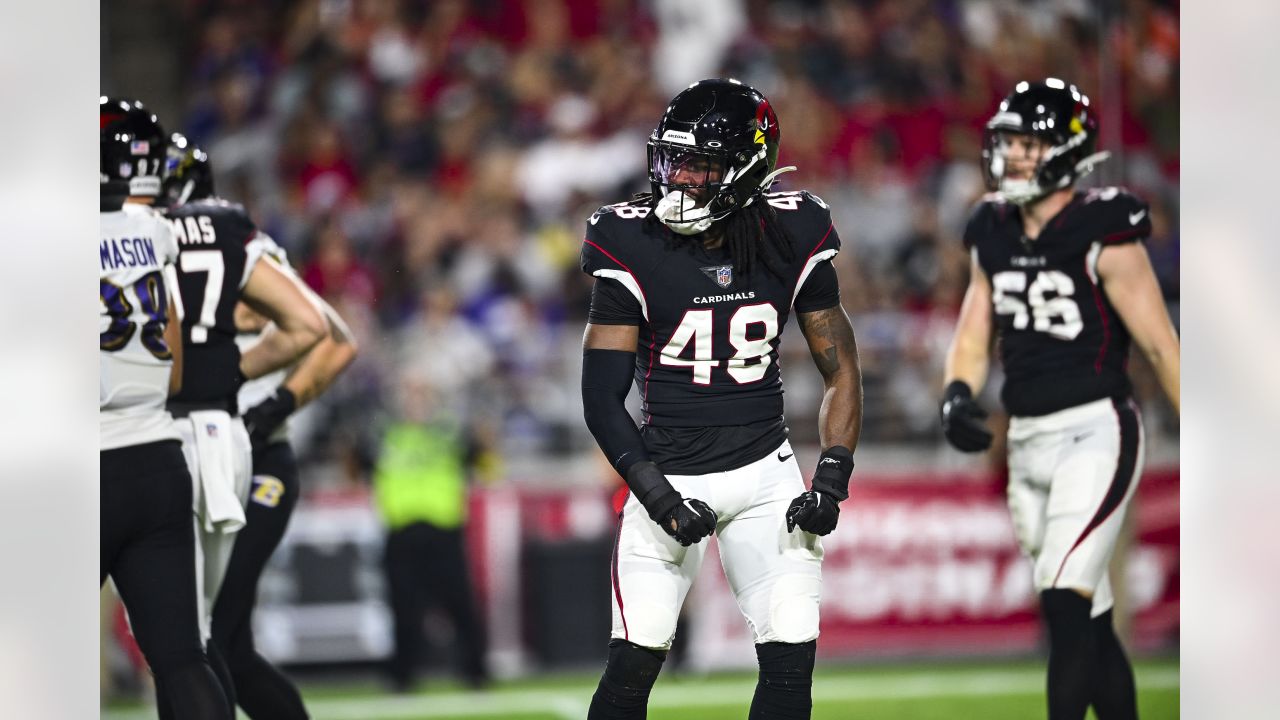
[(1135, 217), (783, 458)]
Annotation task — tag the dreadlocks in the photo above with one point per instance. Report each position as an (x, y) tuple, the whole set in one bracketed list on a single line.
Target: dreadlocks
[(752, 234)]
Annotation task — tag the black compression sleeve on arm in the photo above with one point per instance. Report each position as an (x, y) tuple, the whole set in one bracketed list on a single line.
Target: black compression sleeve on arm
[(606, 379)]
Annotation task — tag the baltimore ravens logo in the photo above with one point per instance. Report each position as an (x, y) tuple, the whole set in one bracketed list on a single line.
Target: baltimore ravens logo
[(721, 274)]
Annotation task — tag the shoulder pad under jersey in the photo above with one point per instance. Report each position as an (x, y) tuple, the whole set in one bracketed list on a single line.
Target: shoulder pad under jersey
[(1116, 216)]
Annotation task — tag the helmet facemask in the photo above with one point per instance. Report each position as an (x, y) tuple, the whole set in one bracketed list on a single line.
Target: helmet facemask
[(696, 187)]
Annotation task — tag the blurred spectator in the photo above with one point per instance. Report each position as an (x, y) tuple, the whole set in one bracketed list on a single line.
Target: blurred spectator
[(420, 489)]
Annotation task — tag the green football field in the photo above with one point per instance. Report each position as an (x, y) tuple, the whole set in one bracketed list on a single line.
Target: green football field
[(991, 691)]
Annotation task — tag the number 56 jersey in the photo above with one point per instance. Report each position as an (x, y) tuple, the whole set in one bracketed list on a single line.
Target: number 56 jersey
[(1061, 342), (135, 247), (708, 349)]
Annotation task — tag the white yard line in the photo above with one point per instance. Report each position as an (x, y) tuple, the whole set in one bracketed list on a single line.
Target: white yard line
[(571, 702)]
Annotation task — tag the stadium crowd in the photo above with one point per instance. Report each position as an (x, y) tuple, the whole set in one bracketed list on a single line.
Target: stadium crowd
[(430, 166)]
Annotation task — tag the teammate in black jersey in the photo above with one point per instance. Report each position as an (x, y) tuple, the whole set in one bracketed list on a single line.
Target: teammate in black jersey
[(1062, 278), (219, 249), (694, 284)]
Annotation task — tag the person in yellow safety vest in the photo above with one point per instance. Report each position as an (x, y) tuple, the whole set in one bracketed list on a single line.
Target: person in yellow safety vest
[(420, 490)]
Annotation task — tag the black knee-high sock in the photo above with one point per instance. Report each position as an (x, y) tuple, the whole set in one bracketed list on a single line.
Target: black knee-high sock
[(623, 693), (1072, 653), (785, 688), (1114, 697)]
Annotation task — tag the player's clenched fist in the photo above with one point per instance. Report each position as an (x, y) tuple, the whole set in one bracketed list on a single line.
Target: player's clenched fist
[(818, 510), (688, 520)]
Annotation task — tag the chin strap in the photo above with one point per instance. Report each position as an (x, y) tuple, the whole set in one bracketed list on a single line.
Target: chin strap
[(677, 211), (1086, 166)]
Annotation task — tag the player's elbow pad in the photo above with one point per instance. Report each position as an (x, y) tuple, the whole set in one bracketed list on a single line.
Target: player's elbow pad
[(606, 379)]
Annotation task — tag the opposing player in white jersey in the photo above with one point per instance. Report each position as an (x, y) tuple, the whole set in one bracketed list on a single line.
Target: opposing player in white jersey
[(218, 267), (1060, 276), (147, 543)]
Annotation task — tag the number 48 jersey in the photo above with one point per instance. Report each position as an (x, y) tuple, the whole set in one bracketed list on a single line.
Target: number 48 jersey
[(708, 349), (217, 254), (135, 248), (1061, 342)]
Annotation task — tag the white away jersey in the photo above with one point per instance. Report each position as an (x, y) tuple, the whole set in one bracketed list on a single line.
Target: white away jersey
[(135, 246)]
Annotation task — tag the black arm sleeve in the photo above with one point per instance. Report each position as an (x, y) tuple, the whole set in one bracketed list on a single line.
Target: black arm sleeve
[(606, 380), (613, 304), (820, 291)]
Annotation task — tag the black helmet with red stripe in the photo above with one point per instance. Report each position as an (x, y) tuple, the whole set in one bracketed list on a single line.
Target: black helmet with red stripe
[(713, 152)]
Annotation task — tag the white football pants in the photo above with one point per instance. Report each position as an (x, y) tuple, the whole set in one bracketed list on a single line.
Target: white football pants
[(775, 575), (1072, 474)]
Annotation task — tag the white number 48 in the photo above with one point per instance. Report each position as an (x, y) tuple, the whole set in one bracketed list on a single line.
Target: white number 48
[(696, 328)]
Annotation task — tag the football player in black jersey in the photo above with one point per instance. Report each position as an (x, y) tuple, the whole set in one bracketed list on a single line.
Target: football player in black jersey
[(265, 403), (1061, 277), (219, 248), (694, 284)]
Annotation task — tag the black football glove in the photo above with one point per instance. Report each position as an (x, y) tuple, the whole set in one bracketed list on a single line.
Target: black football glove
[(962, 419), (817, 511), (262, 419), (688, 520), (813, 512)]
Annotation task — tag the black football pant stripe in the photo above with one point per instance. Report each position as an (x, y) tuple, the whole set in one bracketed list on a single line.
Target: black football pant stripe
[(1121, 480)]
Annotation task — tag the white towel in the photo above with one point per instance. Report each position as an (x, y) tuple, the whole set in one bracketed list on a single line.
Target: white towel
[(220, 509)]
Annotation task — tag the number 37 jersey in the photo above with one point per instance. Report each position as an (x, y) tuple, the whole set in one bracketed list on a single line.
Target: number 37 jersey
[(1061, 342), (708, 349), (135, 246)]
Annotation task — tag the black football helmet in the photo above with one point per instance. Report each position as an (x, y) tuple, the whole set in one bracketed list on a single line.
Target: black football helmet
[(1057, 113), (133, 148), (714, 151), (187, 173)]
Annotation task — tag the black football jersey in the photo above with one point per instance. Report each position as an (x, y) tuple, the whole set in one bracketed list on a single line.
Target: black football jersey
[(214, 262), (708, 349), (1061, 342)]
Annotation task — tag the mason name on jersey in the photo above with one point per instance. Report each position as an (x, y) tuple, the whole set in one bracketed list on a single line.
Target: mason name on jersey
[(117, 253), (1061, 342)]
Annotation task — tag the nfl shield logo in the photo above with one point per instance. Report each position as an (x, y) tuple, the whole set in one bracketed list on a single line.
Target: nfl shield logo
[(724, 275), (211, 430)]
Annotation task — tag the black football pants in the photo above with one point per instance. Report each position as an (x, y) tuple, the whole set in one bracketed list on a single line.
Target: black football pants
[(262, 691), (148, 549), (425, 565)]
